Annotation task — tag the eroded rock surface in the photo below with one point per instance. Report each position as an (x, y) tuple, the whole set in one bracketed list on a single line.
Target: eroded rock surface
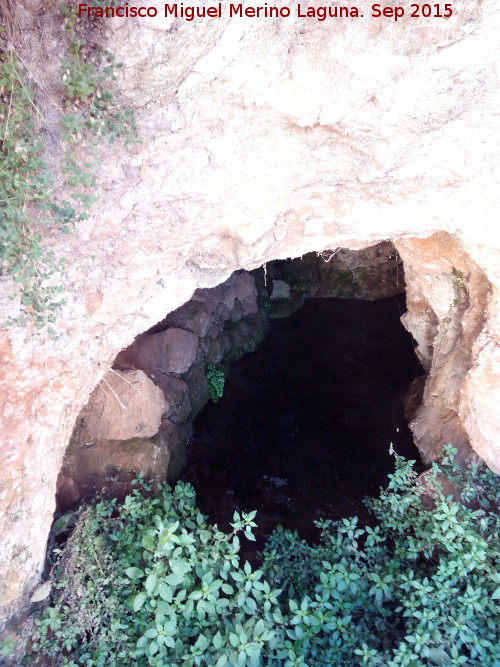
[(170, 351), (447, 298), (140, 420), (372, 273), (124, 405), (105, 466), (266, 139)]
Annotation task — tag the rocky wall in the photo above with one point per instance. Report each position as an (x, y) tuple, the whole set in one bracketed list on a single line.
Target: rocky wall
[(375, 272), (139, 418), (448, 297), (262, 140)]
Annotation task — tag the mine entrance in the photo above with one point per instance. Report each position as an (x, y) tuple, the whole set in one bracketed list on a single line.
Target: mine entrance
[(303, 429)]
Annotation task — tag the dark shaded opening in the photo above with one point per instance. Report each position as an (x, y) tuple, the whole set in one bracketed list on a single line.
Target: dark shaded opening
[(303, 429)]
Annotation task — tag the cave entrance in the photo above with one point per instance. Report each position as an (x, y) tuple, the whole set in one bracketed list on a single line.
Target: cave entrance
[(303, 429), (317, 365)]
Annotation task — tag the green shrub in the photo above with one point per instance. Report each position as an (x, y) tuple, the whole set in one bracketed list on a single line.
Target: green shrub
[(149, 582), (420, 588), (216, 382)]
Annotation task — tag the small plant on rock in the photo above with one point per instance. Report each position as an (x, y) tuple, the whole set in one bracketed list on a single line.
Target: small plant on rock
[(26, 203), (31, 204), (216, 382)]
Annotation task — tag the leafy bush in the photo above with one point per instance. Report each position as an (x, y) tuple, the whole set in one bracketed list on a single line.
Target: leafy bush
[(216, 382), (420, 588), (149, 582)]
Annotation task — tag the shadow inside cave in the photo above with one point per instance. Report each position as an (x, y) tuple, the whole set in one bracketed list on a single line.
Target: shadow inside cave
[(303, 429)]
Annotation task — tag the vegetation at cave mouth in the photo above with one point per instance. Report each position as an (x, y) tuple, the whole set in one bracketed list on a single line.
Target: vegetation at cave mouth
[(150, 582)]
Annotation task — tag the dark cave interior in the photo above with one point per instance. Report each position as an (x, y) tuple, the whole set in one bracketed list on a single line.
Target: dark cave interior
[(304, 427)]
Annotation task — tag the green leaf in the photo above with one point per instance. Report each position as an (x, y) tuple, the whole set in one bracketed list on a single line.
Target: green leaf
[(251, 605), (148, 542), (175, 578), (196, 595), (202, 643), (139, 600), (151, 583), (134, 573), (64, 522), (165, 592)]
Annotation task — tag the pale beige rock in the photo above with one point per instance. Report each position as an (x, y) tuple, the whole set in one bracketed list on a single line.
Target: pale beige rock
[(480, 399), (447, 298), (265, 139), (42, 592), (125, 405)]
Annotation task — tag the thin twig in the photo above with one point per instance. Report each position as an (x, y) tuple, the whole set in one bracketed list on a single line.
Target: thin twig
[(30, 100), (8, 114), (334, 252), (112, 370), (114, 393)]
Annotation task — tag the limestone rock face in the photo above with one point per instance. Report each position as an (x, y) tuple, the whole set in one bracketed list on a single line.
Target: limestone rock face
[(112, 441), (447, 298), (372, 273), (480, 395), (265, 139)]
